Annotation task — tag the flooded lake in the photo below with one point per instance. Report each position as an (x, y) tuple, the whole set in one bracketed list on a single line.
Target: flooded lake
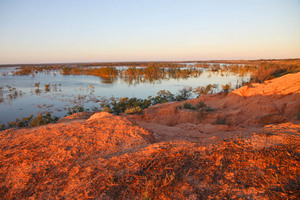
[(23, 95)]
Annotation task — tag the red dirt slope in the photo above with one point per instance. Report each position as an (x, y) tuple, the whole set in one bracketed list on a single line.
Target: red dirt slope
[(243, 111), (178, 154), (60, 155)]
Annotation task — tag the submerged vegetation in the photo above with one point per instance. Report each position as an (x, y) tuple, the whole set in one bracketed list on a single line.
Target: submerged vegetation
[(32, 70), (112, 105), (139, 72), (9, 93), (30, 121), (101, 72), (259, 71)]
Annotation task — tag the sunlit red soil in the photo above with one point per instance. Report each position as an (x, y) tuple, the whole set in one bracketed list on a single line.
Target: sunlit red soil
[(241, 145)]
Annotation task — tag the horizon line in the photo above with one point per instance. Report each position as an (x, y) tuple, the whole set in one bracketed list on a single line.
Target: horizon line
[(149, 61)]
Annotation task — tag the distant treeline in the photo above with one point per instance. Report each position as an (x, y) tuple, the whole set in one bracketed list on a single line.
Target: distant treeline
[(150, 71), (249, 62)]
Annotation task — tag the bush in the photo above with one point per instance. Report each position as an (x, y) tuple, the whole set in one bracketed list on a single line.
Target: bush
[(226, 88), (200, 104), (201, 90), (30, 121), (133, 110), (188, 106), (163, 96), (2, 127), (119, 105), (184, 94), (268, 71), (208, 109), (107, 109), (43, 120)]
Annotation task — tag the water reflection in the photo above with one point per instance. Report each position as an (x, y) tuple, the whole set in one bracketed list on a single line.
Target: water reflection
[(9, 93), (50, 90), (109, 80)]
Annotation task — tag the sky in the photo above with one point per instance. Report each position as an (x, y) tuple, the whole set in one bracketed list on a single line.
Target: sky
[(62, 31)]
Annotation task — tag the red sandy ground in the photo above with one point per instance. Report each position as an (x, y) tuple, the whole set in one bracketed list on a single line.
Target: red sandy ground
[(166, 153)]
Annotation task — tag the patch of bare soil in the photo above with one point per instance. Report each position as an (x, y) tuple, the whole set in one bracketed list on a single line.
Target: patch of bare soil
[(238, 113), (53, 160), (241, 145)]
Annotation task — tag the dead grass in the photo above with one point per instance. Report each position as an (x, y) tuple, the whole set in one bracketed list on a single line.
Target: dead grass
[(232, 169)]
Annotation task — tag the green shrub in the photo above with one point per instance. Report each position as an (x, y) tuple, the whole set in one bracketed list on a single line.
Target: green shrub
[(200, 104), (163, 96), (298, 116), (119, 105), (188, 106), (30, 121)]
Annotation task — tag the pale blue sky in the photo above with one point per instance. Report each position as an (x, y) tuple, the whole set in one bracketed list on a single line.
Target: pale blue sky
[(55, 31)]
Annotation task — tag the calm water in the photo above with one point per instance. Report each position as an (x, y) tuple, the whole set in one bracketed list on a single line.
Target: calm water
[(18, 96)]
